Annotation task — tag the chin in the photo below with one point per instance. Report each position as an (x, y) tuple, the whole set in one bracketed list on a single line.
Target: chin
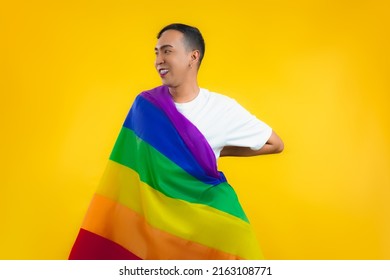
[(167, 83)]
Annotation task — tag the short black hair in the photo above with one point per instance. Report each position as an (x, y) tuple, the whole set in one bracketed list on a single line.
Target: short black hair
[(192, 37)]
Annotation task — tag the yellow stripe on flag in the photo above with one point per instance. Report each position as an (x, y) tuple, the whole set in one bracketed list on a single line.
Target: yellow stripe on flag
[(193, 222)]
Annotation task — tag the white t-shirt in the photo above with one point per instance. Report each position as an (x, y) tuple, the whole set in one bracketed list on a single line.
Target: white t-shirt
[(224, 122)]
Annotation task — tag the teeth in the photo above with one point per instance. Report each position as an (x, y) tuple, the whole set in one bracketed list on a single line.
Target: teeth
[(163, 71)]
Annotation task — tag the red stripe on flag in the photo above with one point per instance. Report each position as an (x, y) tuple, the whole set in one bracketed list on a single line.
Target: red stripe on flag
[(90, 246)]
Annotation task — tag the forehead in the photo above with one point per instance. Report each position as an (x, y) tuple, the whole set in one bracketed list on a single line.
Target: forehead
[(171, 37)]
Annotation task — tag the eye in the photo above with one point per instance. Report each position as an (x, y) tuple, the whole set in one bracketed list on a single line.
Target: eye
[(167, 51)]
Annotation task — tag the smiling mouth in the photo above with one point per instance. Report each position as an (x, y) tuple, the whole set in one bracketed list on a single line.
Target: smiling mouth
[(163, 72)]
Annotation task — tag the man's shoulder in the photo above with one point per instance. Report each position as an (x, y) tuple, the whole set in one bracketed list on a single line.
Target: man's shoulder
[(218, 98), (154, 90)]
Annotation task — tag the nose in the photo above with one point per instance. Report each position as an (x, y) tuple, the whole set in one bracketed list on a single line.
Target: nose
[(159, 60)]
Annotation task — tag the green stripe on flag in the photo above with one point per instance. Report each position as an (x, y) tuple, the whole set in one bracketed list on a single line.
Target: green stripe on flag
[(165, 176)]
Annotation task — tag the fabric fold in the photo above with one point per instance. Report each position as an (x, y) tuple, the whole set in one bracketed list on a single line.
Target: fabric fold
[(161, 196)]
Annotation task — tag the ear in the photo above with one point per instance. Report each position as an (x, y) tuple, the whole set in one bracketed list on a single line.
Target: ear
[(195, 56)]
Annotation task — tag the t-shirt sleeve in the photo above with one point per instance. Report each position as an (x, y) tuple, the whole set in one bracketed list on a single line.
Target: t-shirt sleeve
[(245, 129)]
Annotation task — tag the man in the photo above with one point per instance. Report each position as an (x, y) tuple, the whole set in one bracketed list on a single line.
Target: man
[(162, 196), (179, 53)]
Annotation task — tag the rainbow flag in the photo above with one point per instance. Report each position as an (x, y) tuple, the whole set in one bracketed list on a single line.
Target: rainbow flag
[(161, 196)]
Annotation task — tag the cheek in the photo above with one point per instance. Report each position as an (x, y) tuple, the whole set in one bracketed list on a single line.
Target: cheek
[(181, 61), (182, 64)]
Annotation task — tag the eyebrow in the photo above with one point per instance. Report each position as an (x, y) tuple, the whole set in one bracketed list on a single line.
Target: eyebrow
[(163, 47)]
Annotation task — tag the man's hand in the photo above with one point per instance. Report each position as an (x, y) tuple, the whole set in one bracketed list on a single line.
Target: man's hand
[(274, 145)]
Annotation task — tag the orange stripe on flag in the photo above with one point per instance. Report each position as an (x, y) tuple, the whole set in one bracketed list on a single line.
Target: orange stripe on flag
[(122, 225)]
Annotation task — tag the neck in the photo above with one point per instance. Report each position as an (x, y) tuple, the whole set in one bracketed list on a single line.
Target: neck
[(184, 93)]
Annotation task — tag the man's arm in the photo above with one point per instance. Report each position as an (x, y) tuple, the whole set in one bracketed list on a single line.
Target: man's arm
[(274, 145)]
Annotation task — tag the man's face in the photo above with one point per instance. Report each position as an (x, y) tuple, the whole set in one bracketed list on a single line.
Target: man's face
[(172, 58)]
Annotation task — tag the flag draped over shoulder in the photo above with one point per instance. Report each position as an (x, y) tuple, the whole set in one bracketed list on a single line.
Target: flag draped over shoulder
[(161, 196)]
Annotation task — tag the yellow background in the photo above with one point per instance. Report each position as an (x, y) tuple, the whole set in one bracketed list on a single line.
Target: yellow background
[(316, 71)]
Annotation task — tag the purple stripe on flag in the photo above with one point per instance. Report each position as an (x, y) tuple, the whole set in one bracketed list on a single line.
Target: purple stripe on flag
[(190, 134)]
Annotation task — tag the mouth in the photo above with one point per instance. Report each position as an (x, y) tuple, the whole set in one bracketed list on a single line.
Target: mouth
[(163, 72)]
